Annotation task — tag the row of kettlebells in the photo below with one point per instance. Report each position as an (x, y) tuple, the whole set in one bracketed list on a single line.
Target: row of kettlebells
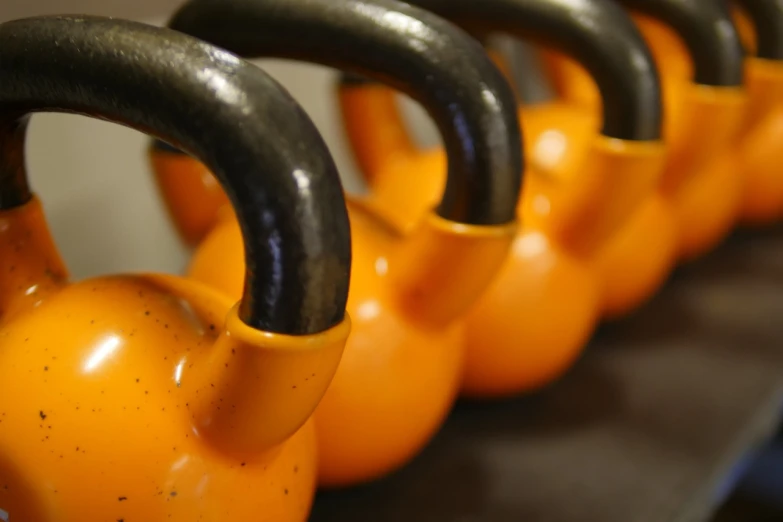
[(149, 397)]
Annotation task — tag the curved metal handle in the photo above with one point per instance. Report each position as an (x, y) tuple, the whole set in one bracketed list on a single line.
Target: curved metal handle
[(767, 19), (708, 32), (411, 50), (596, 33), (262, 147)]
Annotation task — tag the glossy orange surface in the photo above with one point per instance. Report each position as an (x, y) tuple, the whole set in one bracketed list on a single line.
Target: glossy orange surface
[(401, 369), (760, 154), (759, 151), (533, 321), (579, 189), (602, 204), (192, 195), (153, 401), (699, 197), (638, 259)]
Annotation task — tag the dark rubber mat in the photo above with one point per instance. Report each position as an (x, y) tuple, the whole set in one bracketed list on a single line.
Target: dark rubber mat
[(645, 428)]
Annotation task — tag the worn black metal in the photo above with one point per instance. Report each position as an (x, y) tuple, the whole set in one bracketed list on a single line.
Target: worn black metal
[(409, 49), (598, 34), (708, 32), (263, 148), (767, 19)]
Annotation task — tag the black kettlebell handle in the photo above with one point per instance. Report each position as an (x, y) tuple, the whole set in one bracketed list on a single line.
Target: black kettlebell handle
[(411, 50), (596, 33), (709, 35), (767, 19), (263, 148)]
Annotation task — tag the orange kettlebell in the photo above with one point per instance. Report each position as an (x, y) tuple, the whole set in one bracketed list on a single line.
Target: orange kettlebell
[(702, 182), (410, 285), (584, 181), (760, 23), (149, 397)]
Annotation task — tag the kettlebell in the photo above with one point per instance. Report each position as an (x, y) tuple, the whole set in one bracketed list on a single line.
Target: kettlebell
[(760, 22), (149, 396), (700, 57), (586, 178), (411, 285)]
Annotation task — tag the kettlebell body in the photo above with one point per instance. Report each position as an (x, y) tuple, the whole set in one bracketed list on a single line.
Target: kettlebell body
[(583, 180), (702, 176), (191, 194), (117, 345), (403, 350), (401, 369), (758, 151), (760, 24), (154, 397)]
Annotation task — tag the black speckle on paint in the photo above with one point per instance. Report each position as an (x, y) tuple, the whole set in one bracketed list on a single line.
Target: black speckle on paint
[(122, 499), (243, 464), (173, 494), (293, 387), (212, 327), (286, 491), (137, 379), (42, 415), (46, 368), (146, 312)]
